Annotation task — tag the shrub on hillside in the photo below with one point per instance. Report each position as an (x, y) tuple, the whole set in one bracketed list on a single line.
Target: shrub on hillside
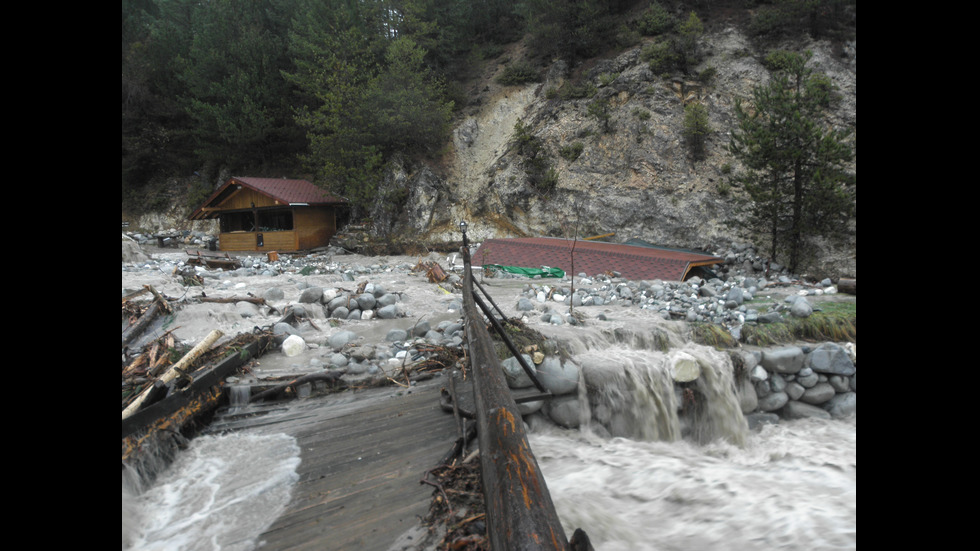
[(519, 73), (655, 20)]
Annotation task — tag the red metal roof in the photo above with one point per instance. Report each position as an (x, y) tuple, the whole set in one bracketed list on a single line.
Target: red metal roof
[(592, 257), (283, 190)]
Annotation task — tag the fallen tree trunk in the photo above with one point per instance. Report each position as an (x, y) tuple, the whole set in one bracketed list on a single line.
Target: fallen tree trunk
[(159, 303), (150, 437), (163, 302), (230, 300), (150, 360), (135, 294), (848, 286), (135, 330), (226, 300), (176, 369), (277, 390)]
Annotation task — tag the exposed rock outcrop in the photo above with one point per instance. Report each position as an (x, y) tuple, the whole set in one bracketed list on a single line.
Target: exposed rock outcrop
[(638, 179)]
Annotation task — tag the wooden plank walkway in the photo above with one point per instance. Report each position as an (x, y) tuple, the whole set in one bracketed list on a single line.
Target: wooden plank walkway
[(362, 462)]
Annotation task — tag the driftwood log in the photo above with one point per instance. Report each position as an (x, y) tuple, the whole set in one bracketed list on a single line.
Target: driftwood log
[(136, 293), (231, 300), (276, 391), (137, 329), (175, 370), (158, 305), (150, 361), (848, 286), (163, 302)]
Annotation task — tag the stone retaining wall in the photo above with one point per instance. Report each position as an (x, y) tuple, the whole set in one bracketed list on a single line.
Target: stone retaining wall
[(788, 382), (791, 382)]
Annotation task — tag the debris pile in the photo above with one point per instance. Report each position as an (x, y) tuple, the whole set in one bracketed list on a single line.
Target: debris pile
[(457, 517)]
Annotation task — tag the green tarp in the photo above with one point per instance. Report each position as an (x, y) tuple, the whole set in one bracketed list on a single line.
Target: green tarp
[(543, 271)]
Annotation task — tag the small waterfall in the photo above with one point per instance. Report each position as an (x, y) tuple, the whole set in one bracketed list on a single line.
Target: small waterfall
[(630, 393), (648, 382), (715, 412), (238, 396)]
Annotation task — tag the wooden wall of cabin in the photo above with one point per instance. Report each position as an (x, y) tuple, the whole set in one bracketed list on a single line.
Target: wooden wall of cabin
[(314, 226), (248, 241)]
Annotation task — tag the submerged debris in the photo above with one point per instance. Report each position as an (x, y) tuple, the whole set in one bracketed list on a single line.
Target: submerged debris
[(456, 519)]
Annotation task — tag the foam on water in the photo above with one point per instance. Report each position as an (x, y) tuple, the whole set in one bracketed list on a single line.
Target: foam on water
[(656, 465), (660, 465), (790, 486), (220, 493)]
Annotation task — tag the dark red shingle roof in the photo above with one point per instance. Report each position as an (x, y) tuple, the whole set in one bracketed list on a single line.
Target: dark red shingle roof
[(592, 257), (289, 191), (283, 190)]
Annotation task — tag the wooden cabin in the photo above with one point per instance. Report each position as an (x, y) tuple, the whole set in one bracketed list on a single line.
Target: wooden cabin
[(272, 214)]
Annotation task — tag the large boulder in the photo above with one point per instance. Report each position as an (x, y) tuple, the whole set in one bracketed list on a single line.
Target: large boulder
[(799, 410), (294, 345), (684, 367), (514, 372), (818, 394), (783, 360), (341, 338), (831, 359), (311, 295), (565, 411), (773, 401), (841, 405), (557, 377)]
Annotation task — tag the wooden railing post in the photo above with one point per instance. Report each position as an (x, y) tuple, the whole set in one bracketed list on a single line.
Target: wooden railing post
[(520, 513)]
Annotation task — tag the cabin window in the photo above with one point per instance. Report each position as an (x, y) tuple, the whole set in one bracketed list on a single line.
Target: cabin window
[(276, 220), (237, 221)]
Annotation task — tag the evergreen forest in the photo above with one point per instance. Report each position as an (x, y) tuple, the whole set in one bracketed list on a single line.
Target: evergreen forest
[(329, 90)]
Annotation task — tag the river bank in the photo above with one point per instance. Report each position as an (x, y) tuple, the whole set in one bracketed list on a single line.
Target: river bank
[(628, 338), (361, 317)]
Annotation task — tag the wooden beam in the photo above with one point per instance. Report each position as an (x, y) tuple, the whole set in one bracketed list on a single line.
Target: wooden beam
[(599, 236), (520, 513)]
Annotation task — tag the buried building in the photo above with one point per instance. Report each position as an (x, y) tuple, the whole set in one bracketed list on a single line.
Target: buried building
[(636, 260), (272, 214)]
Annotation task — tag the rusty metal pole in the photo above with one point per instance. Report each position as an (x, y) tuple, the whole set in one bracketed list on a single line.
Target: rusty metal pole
[(520, 513)]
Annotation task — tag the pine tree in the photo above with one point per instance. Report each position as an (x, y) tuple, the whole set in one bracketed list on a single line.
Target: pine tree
[(796, 166), (696, 127), (369, 92), (689, 32), (235, 93)]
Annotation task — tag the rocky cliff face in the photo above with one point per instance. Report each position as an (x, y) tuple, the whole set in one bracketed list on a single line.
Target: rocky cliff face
[(638, 179)]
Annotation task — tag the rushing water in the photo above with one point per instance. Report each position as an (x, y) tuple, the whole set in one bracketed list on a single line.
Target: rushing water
[(220, 493), (654, 466), (661, 466), (790, 486)]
